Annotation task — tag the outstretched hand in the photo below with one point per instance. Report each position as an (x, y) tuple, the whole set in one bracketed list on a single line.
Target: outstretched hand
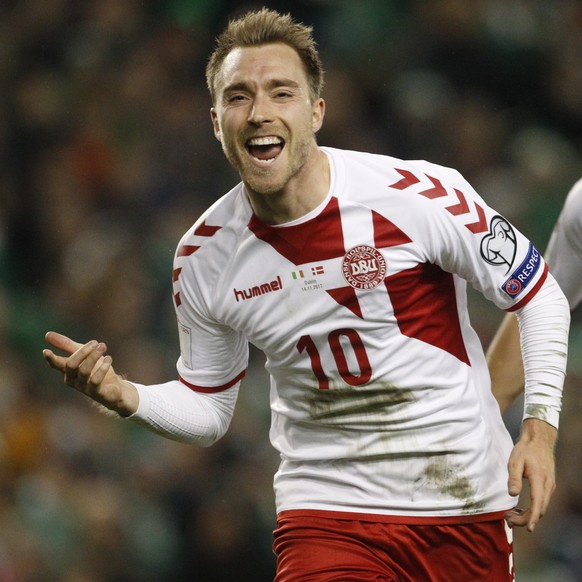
[(533, 459), (87, 369)]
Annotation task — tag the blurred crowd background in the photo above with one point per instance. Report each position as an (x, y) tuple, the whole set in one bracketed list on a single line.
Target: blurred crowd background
[(107, 156)]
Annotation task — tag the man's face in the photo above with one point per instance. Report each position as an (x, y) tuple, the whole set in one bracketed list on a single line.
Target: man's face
[(264, 117)]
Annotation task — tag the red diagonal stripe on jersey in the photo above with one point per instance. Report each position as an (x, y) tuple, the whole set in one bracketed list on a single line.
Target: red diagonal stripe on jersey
[(425, 307), (462, 207), (176, 274), (313, 241), (386, 233), (187, 250), (206, 230), (481, 224), (347, 297), (437, 191), (177, 299), (408, 179)]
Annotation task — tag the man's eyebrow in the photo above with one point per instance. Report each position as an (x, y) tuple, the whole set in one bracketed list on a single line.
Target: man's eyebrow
[(240, 86), (272, 84), (283, 83)]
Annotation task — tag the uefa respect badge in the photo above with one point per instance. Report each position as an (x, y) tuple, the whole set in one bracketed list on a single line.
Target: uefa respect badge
[(364, 267), (524, 274)]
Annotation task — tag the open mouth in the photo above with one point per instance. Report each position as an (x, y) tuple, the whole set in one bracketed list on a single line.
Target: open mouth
[(265, 149)]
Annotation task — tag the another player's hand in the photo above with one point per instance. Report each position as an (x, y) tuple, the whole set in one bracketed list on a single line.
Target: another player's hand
[(533, 459), (87, 369)]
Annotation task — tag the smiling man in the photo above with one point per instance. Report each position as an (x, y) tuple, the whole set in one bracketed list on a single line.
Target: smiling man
[(265, 117), (349, 271)]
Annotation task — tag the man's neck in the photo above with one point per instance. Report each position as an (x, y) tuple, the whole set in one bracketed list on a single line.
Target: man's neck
[(302, 194)]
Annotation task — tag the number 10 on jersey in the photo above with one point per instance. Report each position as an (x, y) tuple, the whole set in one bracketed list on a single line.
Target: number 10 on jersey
[(337, 347)]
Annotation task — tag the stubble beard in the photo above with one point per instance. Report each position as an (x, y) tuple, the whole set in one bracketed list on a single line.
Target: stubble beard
[(264, 180)]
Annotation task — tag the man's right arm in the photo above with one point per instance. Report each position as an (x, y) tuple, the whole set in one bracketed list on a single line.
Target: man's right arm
[(87, 369), (172, 410)]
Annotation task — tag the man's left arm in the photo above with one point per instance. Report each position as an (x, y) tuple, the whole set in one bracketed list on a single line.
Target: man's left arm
[(543, 328)]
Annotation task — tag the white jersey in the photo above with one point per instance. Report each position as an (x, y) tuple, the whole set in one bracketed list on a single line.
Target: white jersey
[(380, 393), (564, 252)]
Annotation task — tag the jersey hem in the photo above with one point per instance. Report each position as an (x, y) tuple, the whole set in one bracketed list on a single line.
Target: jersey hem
[(394, 519)]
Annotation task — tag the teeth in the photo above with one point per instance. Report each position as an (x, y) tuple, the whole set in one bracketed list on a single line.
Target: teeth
[(269, 161), (263, 141)]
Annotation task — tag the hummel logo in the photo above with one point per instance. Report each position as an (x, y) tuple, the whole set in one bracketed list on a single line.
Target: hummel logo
[(257, 290)]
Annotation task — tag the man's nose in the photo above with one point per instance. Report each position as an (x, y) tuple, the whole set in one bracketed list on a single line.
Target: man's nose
[(260, 111)]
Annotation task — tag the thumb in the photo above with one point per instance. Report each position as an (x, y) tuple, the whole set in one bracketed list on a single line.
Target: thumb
[(54, 361)]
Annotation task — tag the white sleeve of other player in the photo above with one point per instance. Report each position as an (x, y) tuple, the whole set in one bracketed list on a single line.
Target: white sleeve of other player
[(564, 253), (178, 413), (543, 328)]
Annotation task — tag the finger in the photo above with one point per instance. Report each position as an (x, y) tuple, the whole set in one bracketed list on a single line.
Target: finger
[(79, 355), (539, 499), (74, 362), (85, 368), (550, 487), (535, 512), (62, 342), (517, 517), (100, 372), (54, 361), (515, 480)]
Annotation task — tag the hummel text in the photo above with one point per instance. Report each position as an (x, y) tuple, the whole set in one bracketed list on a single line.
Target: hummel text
[(257, 290)]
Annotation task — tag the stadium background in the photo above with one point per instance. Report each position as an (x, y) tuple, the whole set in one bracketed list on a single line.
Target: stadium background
[(107, 156)]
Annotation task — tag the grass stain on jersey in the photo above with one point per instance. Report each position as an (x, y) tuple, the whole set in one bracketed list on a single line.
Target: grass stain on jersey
[(369, 407), (450, 480)]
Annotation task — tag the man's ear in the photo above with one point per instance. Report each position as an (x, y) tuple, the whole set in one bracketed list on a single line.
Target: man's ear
[(215, 123), (317, 113)]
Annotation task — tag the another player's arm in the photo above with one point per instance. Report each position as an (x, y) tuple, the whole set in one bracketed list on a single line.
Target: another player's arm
[(505, 363)]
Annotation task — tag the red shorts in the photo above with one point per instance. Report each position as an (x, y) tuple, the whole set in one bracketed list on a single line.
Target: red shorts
[(315, 548)]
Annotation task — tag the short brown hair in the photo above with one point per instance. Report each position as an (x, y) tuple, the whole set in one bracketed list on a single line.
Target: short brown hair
[(264, 27)]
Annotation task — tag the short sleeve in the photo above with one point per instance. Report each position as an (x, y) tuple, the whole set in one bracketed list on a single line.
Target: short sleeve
[(213, 356)]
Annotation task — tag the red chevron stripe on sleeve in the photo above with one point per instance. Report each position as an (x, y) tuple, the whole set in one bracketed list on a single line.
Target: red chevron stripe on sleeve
[(459, 208)]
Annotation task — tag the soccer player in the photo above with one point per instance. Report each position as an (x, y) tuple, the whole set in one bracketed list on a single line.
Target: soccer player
[(349, 270), (564, 255)]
